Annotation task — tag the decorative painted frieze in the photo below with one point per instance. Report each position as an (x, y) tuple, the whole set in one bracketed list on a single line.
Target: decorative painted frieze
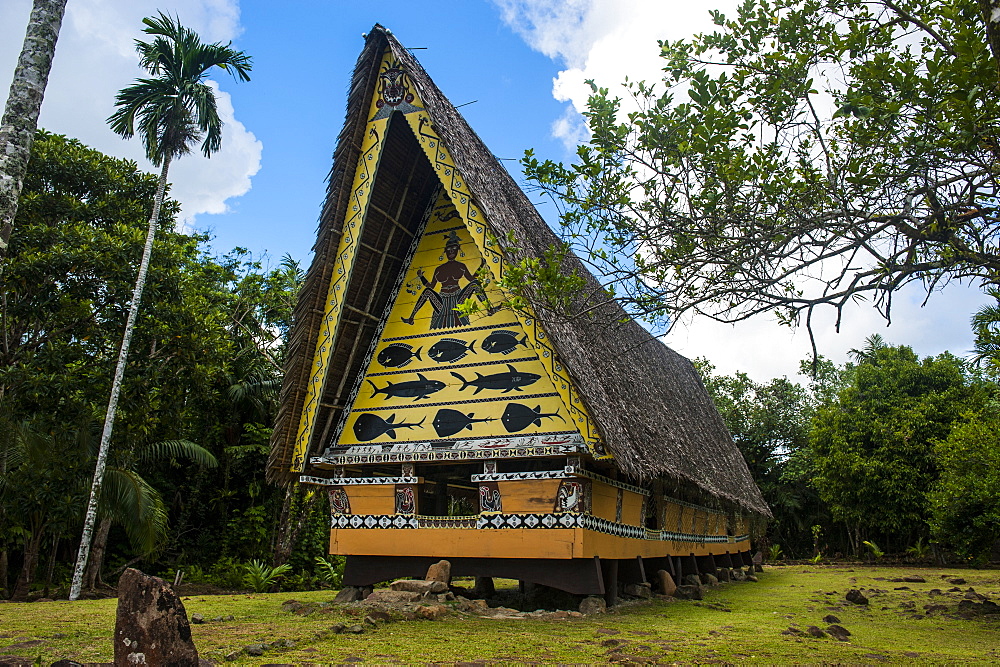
[(500, 521), (543, 446), (359, 481)]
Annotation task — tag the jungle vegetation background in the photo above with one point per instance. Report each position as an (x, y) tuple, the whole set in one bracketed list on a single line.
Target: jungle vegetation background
[(887, 454), (893, 450)]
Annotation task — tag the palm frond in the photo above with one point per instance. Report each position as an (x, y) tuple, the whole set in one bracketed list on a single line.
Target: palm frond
[(175, 109), (175, 449), (128, 500)]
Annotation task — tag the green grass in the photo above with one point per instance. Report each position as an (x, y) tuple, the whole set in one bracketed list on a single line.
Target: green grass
[(736, 623)]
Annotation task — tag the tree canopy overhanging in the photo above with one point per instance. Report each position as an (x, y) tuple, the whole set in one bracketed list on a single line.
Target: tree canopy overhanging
[(808, 153)]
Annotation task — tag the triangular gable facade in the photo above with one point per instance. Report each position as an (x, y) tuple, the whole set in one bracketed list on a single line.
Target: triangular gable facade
[(492, 378), (412, 185)]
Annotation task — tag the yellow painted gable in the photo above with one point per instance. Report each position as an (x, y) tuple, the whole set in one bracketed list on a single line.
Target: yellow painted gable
[(438, 375), (442, 377)]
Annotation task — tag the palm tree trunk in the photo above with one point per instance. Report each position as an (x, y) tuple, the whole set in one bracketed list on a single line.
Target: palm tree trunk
[(116, 386), (20, 117), (96, 560)]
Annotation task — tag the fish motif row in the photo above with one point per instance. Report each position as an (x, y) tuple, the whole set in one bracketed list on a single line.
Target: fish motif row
[(448, 422), (450, 350), (423, 387)]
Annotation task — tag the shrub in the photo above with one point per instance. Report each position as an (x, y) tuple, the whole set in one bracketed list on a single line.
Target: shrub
[(260, 577)]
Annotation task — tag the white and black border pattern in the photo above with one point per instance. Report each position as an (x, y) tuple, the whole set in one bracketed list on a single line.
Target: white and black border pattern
[(500, 521)]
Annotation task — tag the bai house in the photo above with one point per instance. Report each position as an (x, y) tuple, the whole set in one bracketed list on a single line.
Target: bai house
[(571, 452)]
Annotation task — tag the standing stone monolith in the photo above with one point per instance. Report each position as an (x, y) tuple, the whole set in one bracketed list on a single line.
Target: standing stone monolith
[(151, 626), (439, 571)]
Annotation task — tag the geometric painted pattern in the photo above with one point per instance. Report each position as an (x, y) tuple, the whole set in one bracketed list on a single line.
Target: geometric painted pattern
[(443, 455), (358, 481), (499, 521)]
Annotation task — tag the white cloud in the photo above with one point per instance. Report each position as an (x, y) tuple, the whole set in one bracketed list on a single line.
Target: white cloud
[(764, 349), (95, 57), (609, 40)]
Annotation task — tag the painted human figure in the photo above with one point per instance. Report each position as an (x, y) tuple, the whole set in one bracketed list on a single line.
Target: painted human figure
[(450, 295)]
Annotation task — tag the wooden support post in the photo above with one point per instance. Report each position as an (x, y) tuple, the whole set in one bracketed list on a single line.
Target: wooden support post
[(440, 498), (609, 568), (642, 570)]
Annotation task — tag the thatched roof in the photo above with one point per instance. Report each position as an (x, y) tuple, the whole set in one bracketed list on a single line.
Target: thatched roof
[(648, 401)]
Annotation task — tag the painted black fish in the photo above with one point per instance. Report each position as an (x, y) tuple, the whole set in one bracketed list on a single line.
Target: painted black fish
[(449, 350), (512, 380), (449, 422), (368, 426), (397, 355), (518, 417), (502, 341), (419, 388)]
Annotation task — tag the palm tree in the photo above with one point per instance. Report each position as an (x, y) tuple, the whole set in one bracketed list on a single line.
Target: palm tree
[(20, 116), (986, 326), (170, 112)]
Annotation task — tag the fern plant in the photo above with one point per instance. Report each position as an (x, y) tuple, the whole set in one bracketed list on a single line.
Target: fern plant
[(330, 573), (920, 550), (876, 552), (260, 577), (774, 553)]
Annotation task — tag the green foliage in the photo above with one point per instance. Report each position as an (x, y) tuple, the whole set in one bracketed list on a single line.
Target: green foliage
[(920, 550), (774, 553), (965, 502), (330, 570), (205, 368), (727, 189), (873, 448), (176, 107), (769, 422), (874, 549), (259, 577)]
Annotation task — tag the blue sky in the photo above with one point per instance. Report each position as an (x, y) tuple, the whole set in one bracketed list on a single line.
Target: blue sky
[(523, 61)]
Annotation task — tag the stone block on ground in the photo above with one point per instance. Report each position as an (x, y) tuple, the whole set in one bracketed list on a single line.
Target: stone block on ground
[(709, 579), (856, 596), (639, 591), (593, 605), (724, 574), (473, 606), (392, 597), (439, 571), (691, 580), (688, 592), (432, 612), (349, 594), (737, 574), (838, 632), (419, 586), (666, 582), (151, 625)]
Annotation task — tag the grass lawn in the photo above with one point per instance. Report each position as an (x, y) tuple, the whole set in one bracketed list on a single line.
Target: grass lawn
[(735, 623)]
